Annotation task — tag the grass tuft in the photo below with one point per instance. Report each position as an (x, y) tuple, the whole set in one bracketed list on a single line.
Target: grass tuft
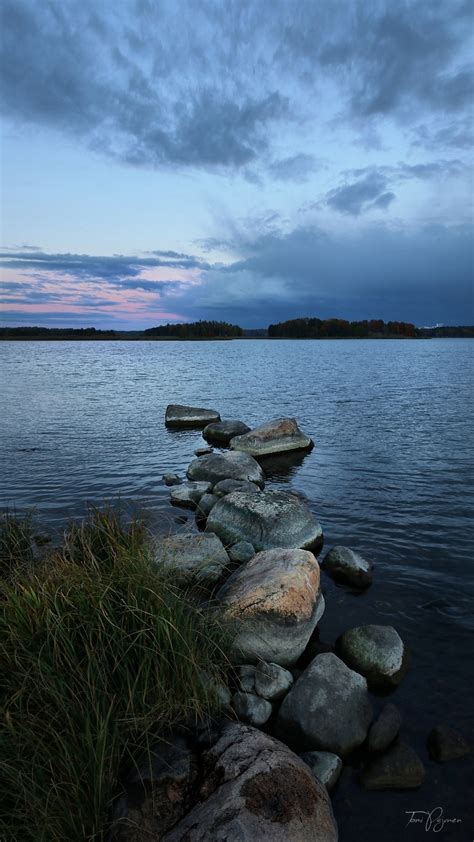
[(16, 543)]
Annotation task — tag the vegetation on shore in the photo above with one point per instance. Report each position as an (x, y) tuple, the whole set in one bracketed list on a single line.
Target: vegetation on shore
[(101, 654), (195, 330), (340, 329)]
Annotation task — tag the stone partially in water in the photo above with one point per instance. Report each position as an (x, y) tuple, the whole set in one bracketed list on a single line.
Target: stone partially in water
[(221, 432), (276, 436), (269, 519), (178, 415), (218, 466), (377, 652), (189, 493), (193, 557), (444, 743), (345, 565), (172, 479), (399, 768), (325, 766), (385, 728), (226, 486)]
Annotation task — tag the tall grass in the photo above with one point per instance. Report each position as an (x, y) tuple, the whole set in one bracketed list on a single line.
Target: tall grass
[(16, 543), (101, 654)]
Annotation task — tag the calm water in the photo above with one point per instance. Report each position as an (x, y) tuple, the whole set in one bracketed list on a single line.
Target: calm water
[(390, 476)]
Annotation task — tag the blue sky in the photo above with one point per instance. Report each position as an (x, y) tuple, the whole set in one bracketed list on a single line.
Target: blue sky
[(249, 161)]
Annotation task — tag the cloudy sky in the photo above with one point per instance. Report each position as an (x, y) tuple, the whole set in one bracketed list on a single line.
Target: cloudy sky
[(246, 160)]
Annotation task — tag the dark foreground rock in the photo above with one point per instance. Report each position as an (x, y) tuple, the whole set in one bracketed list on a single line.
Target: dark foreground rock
[(275, 603), (205, 505), (399, 768), (272, 681), (327, 709), (201, 558), (241, 552), (377, 652), (189, 416), (188, 494), (251, 708), (385, 728), (221, 432), (218, 466), (444, 743), (278, 436), (269, 519), (345, 565), (325, 766)]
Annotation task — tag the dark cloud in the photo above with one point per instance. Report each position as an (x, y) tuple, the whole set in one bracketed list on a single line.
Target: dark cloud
[(294, 168), (457, 134), (92, 266)]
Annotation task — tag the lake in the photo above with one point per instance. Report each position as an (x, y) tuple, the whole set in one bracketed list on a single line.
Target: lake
[(391, 476)]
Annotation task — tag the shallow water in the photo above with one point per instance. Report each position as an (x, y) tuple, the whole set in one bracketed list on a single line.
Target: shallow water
[(391, 475)]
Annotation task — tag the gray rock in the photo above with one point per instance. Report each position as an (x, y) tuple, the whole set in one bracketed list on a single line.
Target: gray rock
[(272, 681), (216, 466), (225, 486), (377, 652), (328, 708), (255, 788), (171, 479), (399, 768), (246, 677), (385, 728), (201, 558), (276, 436), (189, 493), (269, 519), (274, 601), (444, 743), (325, 766), (221, 432), (251, 708), (345, 565), (203, 451), (206, 503), (189, 416), (241, 552)]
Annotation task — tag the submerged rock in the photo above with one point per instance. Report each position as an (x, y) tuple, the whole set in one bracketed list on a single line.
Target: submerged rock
[(225, 486), (275, 601), (377, 652), (385, 728), (269, 519), (328, 708), (325, 766), (241, 552), (399, 768), (203, 451), (172, 479), (221, 432), (276, 436), (345, 565), (199, 557), (444, 743), (251, 708), (189, 493), (189, 416), (218, 466)]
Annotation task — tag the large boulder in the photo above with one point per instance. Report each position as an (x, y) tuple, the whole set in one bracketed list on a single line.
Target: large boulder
[(377, 652), (275, 602), (189, 494), (221, 432), (345, 565), (269, 519), (217, 466), (327, 709), (189, 416), (255, 788), (201, 558), (399, 768), (276, 436)]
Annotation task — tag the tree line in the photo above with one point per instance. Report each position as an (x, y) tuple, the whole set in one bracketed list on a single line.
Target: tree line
[(195, 330), (309, 328)]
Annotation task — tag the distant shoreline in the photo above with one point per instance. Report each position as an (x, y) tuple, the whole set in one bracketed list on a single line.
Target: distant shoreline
[(119, 338)]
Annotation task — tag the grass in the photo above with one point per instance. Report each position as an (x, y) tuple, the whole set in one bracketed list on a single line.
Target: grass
[(101, 654), (16, 543)]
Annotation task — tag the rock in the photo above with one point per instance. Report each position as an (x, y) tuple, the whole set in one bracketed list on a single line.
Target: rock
[(272, 682), (193, 557), (325, 766), (217, 466), (328, 708), (225, 486), (269, 519), (385, 728), (246, 677), (206, 503), (203, 451), (221, 432), (171, 479), (377, 652), (241, 552), (255, 788), (276, 436), (275, 602), (189, 416), (251, 708), (345, 565), (444, 743), (189, 493), (399, 768)]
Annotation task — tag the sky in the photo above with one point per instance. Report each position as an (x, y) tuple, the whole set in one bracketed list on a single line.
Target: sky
[(241, 160)]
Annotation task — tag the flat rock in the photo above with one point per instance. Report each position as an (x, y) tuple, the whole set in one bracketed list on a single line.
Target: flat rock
[(241, 552), (377, 652), (385, 728), (171, 479), (189, 493), (328, 708), (269, 519), (399, 768), (199, 557), (325, 766), (251, 708), (225, 486), (255, 788), (217, 466), (444, 743), (276, 436), (272, 681), (275, 602), (345, 565), (189, 416), (221, 432)]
